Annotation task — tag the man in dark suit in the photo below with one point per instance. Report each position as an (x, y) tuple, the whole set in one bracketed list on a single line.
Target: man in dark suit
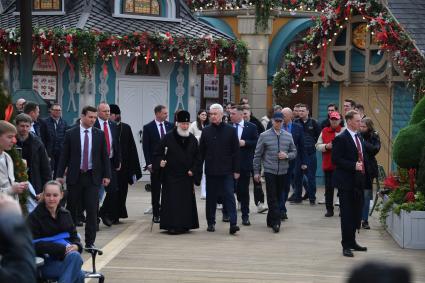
[(153, 132), (130, 170), (248, 136), (297, 133), (350, 177), (85, 156), (109, 210), (39, 126), (56, 127)]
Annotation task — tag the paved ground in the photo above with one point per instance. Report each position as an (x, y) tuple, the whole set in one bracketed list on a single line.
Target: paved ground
[(306, 250)]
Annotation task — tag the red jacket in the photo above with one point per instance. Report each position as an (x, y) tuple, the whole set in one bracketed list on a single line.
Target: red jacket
[(328, 135)]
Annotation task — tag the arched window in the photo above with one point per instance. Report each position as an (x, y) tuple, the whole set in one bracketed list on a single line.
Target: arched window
[(140, 68), (47, 5), (45, 77), (143, 7)]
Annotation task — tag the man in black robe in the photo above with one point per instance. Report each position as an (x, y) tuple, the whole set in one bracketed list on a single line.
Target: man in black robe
[(179, 160), (130, 166)]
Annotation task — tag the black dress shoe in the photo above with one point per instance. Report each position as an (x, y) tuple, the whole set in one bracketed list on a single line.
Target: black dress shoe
[(106, 221), (156, 219), (359, 248), (283, 216), (365, 225), (246, 222), (291, 198), (276, 228), (117, 222), (296, 201), (305, 196), (347, 253), (329, 213), (97, 227), (211, 228), (233, 229), (80, 224), (226, 218), (90, 246), (312, 202)]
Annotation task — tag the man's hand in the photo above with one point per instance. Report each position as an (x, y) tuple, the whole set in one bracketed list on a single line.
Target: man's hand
[(190, 173), (19, 188), (282, 155), (150, 168), (39, 197), (119, 167), (257, 178), (329, 145), (163, 163), (359, 166), (61, 180), (236, 175), (71, 248), (106, 181), (242, 143), (303, 167)]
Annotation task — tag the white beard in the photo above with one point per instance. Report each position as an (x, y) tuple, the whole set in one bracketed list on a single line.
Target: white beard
[(183, 133)]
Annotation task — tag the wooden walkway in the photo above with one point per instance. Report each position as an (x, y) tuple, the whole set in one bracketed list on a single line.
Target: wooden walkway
[(306, 250)]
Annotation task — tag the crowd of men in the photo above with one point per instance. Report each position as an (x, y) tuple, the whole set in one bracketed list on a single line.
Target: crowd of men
[(97, 158)]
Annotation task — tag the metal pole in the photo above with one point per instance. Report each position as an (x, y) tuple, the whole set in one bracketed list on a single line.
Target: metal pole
[(26, 44)]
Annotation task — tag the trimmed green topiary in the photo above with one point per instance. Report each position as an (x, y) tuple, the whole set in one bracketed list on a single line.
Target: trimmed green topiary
[(418, 113), (407, 148)]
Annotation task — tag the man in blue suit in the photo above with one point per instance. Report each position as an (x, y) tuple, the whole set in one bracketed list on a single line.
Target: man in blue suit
[(350, 175), (152, 134), (248, 136), (297, 133)]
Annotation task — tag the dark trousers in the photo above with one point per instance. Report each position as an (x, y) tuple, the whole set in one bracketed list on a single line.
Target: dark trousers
[(258, 191), (274, 188), (287, 186), (242, 192), (54, 161), (220, 186), (110, 203), (329, 191), (351, 211), (85, 193), (155, 192), (310, 173)]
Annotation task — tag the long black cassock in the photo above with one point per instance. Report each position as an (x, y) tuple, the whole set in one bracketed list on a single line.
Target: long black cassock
[(130, 167), (178, 202)]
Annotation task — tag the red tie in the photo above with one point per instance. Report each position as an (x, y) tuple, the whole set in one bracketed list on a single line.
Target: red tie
[(359, 152), (108, 143)]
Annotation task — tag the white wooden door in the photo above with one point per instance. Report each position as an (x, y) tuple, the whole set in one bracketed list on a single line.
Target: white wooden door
[(137, 100)]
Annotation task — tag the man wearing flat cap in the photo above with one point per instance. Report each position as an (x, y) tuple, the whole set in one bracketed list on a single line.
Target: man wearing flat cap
[(130, 166), (178, 160)]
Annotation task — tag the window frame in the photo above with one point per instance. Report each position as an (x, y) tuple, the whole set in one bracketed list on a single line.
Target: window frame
[(60, 9), (123, 2)]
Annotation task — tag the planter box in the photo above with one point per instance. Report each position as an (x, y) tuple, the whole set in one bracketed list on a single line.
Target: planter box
[(407, 229)]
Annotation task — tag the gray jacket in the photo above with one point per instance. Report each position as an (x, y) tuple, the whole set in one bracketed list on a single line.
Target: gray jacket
[(266, 152)]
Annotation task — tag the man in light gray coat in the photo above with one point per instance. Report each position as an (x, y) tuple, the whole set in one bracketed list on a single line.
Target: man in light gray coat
[(275, 148)]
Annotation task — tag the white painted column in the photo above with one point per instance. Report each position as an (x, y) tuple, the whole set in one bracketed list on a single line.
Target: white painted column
[(258, 46)]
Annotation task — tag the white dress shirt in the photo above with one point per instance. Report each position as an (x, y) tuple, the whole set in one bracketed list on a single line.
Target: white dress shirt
[(101, 123), (159, 127), (353, 136), (82, 136), (240, 126)]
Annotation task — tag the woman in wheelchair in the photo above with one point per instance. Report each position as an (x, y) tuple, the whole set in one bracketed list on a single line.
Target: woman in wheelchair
[(56, 238)]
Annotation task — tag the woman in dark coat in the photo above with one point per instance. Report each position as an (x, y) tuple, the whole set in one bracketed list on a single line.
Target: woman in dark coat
[(178, 158), (55, 237), (372, 145)]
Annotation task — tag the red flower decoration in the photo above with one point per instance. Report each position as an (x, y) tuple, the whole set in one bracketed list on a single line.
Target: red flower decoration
[(410, 197), (391, 183)]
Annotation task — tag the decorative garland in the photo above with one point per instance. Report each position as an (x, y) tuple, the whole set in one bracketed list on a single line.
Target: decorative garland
[(388, 34), (86, 46)]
